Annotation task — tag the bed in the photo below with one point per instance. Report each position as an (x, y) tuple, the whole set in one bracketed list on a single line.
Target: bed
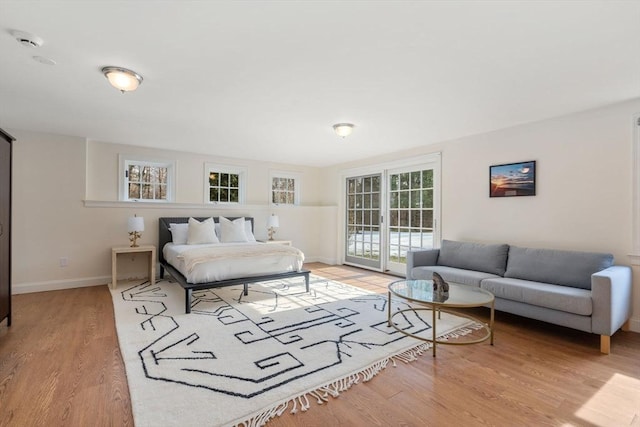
[(214, 265)]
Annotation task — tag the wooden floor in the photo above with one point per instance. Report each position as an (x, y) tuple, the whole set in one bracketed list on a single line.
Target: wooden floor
[(60, 365)]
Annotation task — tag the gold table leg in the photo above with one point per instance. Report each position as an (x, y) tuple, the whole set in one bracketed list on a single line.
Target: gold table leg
[(491, 322), (389, 308), (434, 330)]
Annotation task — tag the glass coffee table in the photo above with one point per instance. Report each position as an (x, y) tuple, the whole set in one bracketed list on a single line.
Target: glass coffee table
[(421, 293)]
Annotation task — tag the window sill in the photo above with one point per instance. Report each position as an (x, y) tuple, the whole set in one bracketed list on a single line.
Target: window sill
[(160, 205), (190, 206)]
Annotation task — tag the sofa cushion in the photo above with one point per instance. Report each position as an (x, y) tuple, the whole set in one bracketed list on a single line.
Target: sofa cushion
[(563, 298), (567, 268), (450, 274), (474, 256)]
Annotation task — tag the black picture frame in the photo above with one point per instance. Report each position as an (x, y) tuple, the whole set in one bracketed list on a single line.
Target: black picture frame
[(513, 179)]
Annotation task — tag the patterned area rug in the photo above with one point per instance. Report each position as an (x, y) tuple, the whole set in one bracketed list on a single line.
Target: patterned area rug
[(241, 360)]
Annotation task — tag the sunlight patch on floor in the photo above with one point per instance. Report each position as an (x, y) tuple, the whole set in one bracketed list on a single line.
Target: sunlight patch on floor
[(616, 403)]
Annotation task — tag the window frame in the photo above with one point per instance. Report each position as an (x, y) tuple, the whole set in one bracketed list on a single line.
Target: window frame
[(297, 180), (125, 160), (634, 256), (241, 171)]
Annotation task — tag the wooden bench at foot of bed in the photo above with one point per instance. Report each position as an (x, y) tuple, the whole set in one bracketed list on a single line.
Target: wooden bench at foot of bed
[(190, 287)]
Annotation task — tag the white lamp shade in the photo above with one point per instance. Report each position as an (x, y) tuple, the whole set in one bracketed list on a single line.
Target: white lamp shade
[(136, 223), (273, 221)]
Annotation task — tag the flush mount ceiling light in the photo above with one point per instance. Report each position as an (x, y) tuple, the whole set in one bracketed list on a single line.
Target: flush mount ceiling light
[(122, 79), (343, 129)]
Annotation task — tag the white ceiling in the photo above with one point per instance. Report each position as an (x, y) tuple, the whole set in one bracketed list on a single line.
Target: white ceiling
[(267, 79)]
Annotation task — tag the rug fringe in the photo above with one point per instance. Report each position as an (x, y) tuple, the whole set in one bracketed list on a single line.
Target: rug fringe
[(334, 388), (466, 330)]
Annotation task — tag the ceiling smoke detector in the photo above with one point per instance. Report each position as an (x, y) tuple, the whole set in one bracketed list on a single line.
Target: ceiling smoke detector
[(27, 39)]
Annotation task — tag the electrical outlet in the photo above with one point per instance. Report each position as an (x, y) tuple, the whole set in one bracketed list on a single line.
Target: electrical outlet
[(64, 261)]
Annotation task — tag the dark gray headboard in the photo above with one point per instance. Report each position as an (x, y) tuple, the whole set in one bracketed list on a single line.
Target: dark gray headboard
[(164, 235)]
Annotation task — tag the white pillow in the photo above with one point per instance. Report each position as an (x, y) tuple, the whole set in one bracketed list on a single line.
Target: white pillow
[(201, 232), (179, 233), (232, 231), (248, 232)]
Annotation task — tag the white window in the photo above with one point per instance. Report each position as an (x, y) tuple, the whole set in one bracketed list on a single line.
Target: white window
[(224, 183), (146, 180), (285, 188)]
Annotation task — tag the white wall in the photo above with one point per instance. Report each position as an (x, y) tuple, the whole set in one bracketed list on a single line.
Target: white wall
[(54, 175), (584, 185), (583, 201), (102, 174)]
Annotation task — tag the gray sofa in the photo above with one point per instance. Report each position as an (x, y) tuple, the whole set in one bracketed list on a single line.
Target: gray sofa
[(580, 290)]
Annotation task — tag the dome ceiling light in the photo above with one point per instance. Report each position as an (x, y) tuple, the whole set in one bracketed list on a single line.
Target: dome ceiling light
[(122, 79), (343, 129)]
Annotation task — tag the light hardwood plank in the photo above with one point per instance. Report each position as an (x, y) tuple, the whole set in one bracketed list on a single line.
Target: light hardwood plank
[(60, 364)]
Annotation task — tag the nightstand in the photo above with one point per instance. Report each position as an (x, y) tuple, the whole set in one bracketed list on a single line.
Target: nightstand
[(150, 249), (276, 242)]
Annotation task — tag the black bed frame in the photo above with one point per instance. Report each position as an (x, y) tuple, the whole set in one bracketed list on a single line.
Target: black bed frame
[(164, 237)]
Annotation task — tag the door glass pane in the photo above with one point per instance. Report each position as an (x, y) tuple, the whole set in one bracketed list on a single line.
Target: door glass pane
[(404, 199), (367, 185), (375, 183), (375, 200), (415, 199), (393, 200), (404, 181), (427, 178), (427, 198), (367, 201)]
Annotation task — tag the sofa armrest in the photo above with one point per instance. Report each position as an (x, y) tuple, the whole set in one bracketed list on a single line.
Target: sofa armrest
[(611, 295), (419, 258)]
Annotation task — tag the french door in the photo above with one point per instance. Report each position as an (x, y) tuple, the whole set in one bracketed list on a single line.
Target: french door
[(363, 221), (411, 212), (390, 213)]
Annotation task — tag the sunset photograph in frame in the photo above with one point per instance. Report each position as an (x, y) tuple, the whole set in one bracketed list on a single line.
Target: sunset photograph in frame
[(512, 179)]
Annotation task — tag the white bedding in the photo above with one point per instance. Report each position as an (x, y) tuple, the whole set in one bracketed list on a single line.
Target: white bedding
[(220, 261)]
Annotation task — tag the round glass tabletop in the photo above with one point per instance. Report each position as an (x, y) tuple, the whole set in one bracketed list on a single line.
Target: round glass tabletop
[(458, 295)]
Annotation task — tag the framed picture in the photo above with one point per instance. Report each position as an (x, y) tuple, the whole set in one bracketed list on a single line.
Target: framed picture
[(512, 179)]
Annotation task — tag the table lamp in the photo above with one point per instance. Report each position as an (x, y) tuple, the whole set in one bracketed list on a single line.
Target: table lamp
[(272, 224), (136, 226)]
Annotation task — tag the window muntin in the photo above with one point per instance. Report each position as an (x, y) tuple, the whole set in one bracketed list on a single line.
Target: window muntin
[(144, 180), (285, 188), (283, 191), (224, 184), (224, 187)]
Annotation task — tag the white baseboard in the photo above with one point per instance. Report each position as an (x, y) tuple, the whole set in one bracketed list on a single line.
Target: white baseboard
[(56, 285), (634, 324), (329, 261)]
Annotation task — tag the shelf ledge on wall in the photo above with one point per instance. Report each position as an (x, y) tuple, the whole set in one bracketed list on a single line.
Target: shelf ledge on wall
[(190, 206), (634, 259), (163, 205)]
